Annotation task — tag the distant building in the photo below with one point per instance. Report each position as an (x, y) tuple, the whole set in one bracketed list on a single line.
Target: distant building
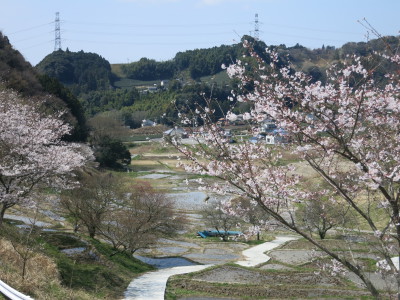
[(176, 132), (164, 84), (148, 123), (277, 136), (152, 89), (268, 125)]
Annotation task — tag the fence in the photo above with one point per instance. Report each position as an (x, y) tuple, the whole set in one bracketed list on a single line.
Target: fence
[(12, 294)]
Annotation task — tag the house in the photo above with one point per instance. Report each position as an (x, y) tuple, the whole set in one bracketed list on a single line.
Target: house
[(147, 123), (277, 136), (152, 89), (268, 125), (176, 132), (164, 84)]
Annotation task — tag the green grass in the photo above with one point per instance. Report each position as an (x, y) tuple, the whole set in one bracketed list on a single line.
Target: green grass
[(117, 70), (164, 149), (143, 137), (128, 83), (134, 174), (98, 271), (63, 241), (258, 242), (219, 78), (137, 157)]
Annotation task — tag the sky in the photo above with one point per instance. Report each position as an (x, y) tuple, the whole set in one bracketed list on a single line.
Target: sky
[(124, 31)]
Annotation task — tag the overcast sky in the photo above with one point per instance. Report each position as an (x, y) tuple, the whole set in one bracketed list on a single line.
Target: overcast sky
[(125, 30)]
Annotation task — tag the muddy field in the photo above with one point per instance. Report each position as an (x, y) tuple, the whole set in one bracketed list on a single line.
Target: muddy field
[(240, 283)]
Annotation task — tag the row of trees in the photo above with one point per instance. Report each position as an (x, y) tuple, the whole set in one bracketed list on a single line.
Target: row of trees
[(315, 216), (99, 101), (199, 62), (129, 216), (204, 62)]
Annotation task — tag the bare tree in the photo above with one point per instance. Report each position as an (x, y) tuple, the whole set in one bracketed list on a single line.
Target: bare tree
[(98, 194), (24, 241), (249, 211), (321, 215), (217, 217), (143, 216), (108, 124)]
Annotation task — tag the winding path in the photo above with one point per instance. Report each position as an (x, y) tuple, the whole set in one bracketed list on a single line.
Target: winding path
[(256, 255), (151, 286)]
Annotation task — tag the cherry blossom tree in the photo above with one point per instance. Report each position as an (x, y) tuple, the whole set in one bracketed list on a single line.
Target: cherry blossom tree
[(32, 153), (347, 129)]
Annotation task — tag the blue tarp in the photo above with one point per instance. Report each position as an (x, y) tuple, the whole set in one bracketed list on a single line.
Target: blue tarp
[(207, 233)]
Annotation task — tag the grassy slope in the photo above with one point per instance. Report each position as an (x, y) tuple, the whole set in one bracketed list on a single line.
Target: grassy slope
[(124, 82), (92, 274), (96, 271)]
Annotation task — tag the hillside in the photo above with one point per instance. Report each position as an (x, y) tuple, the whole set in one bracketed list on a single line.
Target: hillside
[(17, 74), (82, 72), (136, 88), (85, 72)]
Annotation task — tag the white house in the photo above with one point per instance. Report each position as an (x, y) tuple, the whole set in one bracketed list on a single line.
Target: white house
[(147, 123), (164, 83), (277, 136), (267, 125)]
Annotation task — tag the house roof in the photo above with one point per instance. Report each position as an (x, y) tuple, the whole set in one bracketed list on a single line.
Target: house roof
[(175, 131)]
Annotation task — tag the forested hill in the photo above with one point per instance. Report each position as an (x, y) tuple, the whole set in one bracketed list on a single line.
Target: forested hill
[(17, 74), (204, 62), (85, 72), (101, 87), (82, 72)]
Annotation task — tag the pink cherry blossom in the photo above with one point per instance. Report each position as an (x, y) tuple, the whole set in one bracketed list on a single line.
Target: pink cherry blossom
[(347, 129), (33, 154)]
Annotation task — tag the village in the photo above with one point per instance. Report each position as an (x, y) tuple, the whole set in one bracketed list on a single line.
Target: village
[(232, 131)]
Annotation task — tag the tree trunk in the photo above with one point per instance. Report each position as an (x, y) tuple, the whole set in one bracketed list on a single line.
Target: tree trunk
[(92, 231), (24, 267), (2, 212)]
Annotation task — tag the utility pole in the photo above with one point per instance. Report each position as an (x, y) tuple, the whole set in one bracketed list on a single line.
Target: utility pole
[(57, 40)]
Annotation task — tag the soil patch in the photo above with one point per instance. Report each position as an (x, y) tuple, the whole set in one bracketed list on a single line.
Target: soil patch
[(295, 257), (230, 274), (267, 289)]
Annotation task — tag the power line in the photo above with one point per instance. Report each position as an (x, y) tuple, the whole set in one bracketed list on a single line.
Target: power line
[(146, 34), (146, 43), (311, 29), (30, 28), (155, 25), (304, 37)]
